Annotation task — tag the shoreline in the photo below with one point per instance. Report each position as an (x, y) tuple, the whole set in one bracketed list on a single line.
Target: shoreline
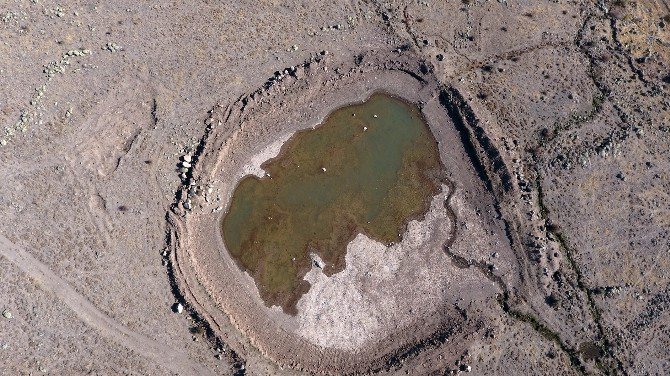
[(276, 335)]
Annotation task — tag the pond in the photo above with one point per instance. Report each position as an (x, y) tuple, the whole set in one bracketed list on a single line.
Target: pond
[(368, 168)]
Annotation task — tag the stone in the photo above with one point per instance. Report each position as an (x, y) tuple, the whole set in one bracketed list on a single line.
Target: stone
[(187, 158), (111, 47), (7, 314), (465, 368), (316, 260)]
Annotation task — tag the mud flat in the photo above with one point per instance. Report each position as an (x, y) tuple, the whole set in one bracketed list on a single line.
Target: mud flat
[(370, 168), (388, 302)]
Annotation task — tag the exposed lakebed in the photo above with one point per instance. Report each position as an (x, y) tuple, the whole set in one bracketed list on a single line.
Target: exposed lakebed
[(368, 168)]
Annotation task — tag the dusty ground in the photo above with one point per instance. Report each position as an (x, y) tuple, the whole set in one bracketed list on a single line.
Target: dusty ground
[(553, 122)]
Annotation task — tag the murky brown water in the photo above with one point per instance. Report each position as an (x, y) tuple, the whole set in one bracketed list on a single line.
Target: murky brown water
[(369, 168)]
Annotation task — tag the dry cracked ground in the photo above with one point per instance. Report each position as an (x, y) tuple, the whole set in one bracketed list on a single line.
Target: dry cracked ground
[(553, 120)]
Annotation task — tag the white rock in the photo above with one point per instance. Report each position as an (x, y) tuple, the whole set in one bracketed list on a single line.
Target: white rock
[(180, 308), (187, 158), (316, 260)]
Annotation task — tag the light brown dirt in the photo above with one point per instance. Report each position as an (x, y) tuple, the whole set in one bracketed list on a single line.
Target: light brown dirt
[(553, 121)]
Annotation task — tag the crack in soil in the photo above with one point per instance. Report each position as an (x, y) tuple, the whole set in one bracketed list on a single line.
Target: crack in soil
[(604, 344), (463, 116)]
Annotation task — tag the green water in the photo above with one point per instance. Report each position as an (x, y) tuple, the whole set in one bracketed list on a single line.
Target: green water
[(355, 173)]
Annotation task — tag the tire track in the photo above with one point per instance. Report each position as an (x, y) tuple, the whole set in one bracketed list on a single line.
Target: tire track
[(159, 353)]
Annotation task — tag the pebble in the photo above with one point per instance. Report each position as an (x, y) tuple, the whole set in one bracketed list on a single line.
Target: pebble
[(323, 169), (465, 368), (7, 314), (112, 47)]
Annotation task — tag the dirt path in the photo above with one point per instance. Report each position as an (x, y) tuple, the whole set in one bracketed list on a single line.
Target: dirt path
[(165, 356)]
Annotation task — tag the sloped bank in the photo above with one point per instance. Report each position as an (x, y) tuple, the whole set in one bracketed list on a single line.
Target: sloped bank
[(389, 304)]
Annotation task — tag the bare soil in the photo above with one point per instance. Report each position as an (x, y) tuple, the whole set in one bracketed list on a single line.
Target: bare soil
[(546, 255)]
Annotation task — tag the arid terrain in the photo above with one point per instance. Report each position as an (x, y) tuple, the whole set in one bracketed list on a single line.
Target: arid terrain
[(127, 125)]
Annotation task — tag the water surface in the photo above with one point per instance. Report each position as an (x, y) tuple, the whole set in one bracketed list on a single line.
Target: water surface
[(369, 168)]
